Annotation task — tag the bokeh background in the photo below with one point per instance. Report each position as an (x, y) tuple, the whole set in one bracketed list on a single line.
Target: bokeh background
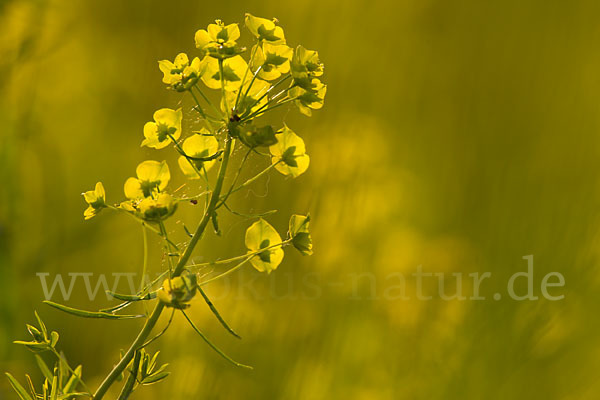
[(457, 135)]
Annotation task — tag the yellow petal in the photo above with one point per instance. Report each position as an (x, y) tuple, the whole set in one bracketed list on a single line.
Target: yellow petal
[(133, 189)]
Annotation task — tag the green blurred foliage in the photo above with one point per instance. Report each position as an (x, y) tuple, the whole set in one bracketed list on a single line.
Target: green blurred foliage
[(458, 135)]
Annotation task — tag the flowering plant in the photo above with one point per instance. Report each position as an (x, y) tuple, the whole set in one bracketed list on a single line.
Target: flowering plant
[(275, 75)]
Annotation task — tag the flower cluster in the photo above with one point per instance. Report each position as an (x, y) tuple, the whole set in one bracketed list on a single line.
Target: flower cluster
[(274, 75)]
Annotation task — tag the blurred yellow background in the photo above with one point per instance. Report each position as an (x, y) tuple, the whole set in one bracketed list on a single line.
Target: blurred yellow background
[(456, 135)]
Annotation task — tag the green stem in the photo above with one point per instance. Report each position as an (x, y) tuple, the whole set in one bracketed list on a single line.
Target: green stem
[(151, 321), (248, 182), (64, 360), (261, 110), (141, 221), (243, 256), (161, 332), (128, 388), (210, 103), (269, 91), (237, 99), (208, 118), (188, 158), (223, 88), (145, 264)]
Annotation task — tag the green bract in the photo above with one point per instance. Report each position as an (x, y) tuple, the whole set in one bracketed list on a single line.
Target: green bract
[(96, 199), (261, 236), (219, 40), (198, 147), (264, 29), (152, 178), (289, 154), (253, 136), (300, 235), (180, 75), (167, 124)]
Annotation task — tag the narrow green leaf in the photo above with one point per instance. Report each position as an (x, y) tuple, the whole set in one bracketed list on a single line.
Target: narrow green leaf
[(217, 314), (215, 348), (42, 325), (23, 395), (71, 395), (53, 338), (89, 314), (73, 380), (43, 367), (31, 387), (54, 391), (155, 378), (33, 346), (129, 297)]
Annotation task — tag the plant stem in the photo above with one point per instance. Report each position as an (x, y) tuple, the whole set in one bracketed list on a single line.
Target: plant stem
[(151, 322), (128, 388), (223, 88), (237, 99), (248, 182)]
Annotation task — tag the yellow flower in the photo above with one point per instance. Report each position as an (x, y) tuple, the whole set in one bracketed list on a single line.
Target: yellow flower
[(200, 145), (289, 154), (305, 66), (157, 209), (179, 291), (233, 72), (152, 178), (166, 122), (273, 60), (264, 29), (309, 99), (180, 74), (96, 199), (219, 40), (258, 89)]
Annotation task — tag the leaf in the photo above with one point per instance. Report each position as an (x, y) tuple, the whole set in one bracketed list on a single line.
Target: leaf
[(155, 378), (43, 367), (73, 380), (54, 391), (74, 394), (129, 297), (31, 387), (53, 338), (23, 395), (261, 235), (89, 314), (33, 346), (41, 323)]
